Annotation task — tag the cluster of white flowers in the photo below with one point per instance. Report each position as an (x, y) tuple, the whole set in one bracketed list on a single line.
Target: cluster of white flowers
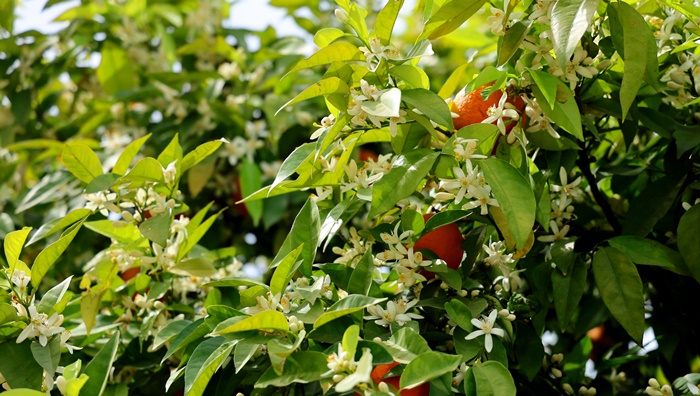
[(408, 262), (395, 312), (359, 107), (376, 52), (562, 210), (469, 184), (655, 389), (239, 147), (509, 278)]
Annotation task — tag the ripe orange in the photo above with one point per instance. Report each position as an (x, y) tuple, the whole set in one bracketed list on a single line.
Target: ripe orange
[(445, 242), (365, 154), (130, 273), (380, 371), (420, 390), (472, 109)]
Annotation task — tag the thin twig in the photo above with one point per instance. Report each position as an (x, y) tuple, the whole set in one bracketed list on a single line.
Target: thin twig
[(584, 163)]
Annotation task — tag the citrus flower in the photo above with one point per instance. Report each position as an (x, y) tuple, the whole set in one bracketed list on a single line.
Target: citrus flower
[(41, 326), (497, 113), (485, 326), (557, 233), (496, 256)]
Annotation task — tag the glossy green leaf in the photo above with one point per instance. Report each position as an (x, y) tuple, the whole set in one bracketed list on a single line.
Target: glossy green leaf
[(361, 278), (302, 367), (128, 233), (99, 368), (689, 240), (547, 85), (405, 344), (200, 153), (386, 18), (325, 36), (459, 313), (430, 104), (510, 43), (81, 161), (21, 370), (350, 339), (565, 115), (157, 228), (198, 267), (328, 86), (438, 363), (305, 230), (261, 321), (450, 16), (48, 356), (621, 289), (649, 252), (192, 332), (569, 21), (53, 296), (146, 170), (293, 162), (568, 291), (414, 76), (529, 350), (48, 256), (339, 51), (407, 172), (13, 244), (285, 270), (493, 379), (251, 181), (514, 196), (204, 362), (348, 305), (169, 332)]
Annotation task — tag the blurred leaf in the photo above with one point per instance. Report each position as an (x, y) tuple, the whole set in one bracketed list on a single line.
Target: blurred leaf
[(688, 243), (128, 155), (570, 20), (197, 267), (128, 233), (99, 368), (116, 72), (529, 350), (651, 205), (514, 196), (20, 370), (251, 181), (197, 234), (453, 81), (81, 161), (172, 152), (621, 289), (450, 16)]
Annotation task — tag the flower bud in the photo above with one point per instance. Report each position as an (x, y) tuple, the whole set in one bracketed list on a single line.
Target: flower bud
[(654, 383), (557, 358), (568, 389), (556, 372), (342, 15)]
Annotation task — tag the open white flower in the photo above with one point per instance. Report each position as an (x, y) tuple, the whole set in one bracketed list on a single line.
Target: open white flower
[(98, 200), (465, 149), (557, 233), (482, 196), (499, 113), (21, 280), (496, 256), (566, 188), (485, 328), (395, 312), (169, 173), (41, 326)]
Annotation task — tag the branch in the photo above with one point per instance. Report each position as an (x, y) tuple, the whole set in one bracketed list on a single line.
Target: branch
[(584, 163)]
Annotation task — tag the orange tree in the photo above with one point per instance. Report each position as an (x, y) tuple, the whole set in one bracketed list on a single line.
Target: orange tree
[(571, 182)]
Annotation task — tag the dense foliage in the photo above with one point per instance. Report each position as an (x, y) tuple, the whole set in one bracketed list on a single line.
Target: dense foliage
[(498, 198)]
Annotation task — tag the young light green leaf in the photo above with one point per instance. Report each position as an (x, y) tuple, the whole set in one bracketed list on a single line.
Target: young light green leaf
[(689, 240), (348, 305), (284, 271), (146, 170), (621, 289), (414, 76), (570, 19), (430, 104), (293, 162), (402, 180), (514, 196), (204, 362), (511, 41), (198, 267), (325, 36), (261, 321), (547, 85), (13, 243), (439, 363), (305, 230), (328, 86), (81, 161), (48, 256), (493, 379), (99, 368), (350, 338), (339, 51), (386, 106), (197, 155), (128, 155), (172, 152), (450, 16), (128, 233), (453, 82), (384, 24)]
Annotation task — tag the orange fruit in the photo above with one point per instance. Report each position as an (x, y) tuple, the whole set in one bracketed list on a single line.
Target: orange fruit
[(420, 390), (364, 154), (380, 371), (445, 242), (130, 273), (472, 108)]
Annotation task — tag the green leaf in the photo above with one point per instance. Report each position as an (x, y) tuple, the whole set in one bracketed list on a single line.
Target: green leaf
[(13, 243), (116, 72), (146, 170), (23, 392), (340, 51), (384, 24), (450, 16), (305, 230), (408, 171), (251, 181), (21, 370), (405, 344), (302, 367), (198, 267), (510, 43), (261, 321), (438, 363), (430, 104), (169, 332), (493, 379), (361, 278), (529, 350), (192, 332), (99, 368), (293, 162), (621, 289), (547, 84), (459, 313), (325, 36), (414, 76), (569, 20), (350, 338), (649, 252), (328, 86), (172, 152), (688, 236), (197, 155), (126, 234), (204, 362), (651, 205), (48, 356), (348, 305), (197, 234), (386, 106), (565, 115), (101, 183), (568, 291), (53, 296), (514, 196), (128, 155), (285, 270), (81, 161), (48, 256), (157, 228)]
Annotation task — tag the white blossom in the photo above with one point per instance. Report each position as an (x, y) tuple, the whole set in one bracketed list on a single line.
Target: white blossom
[(485, 328)]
